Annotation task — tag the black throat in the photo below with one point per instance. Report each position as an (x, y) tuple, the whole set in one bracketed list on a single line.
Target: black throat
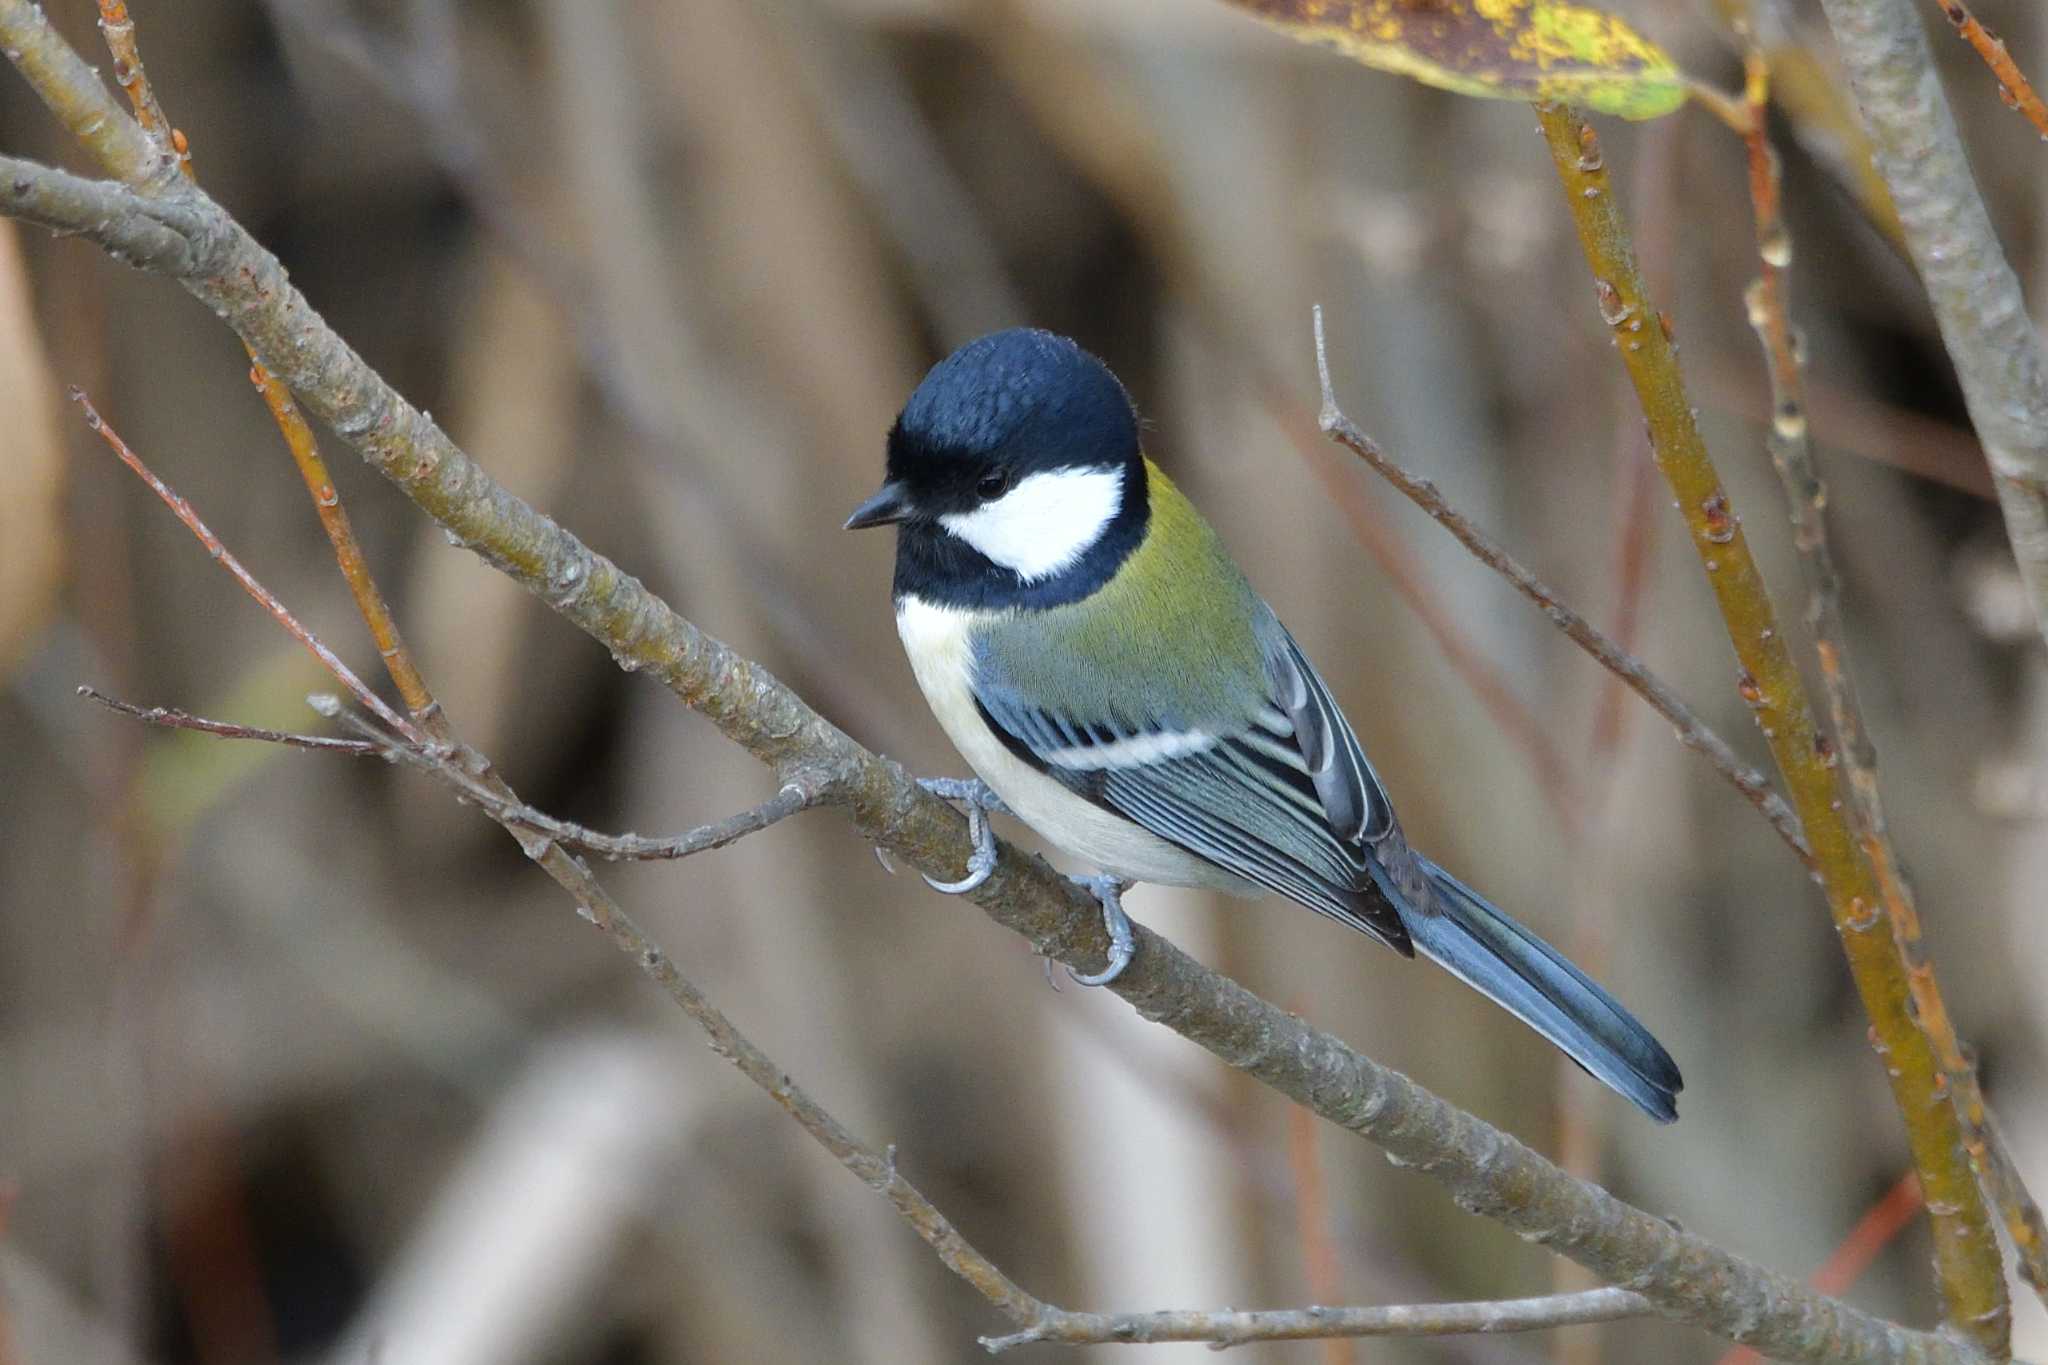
[(936, 566)]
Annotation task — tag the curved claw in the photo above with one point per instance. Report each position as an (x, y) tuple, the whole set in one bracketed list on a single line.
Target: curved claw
[(1123, 945), (981, 862), (971, 792)]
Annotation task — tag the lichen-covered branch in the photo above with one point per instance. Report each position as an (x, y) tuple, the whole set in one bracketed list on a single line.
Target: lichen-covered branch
[(1976, 296), (1967, 1262), (1227, 1327)]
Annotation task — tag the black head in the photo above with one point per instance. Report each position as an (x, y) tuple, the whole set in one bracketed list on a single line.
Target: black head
[(1020, 412)]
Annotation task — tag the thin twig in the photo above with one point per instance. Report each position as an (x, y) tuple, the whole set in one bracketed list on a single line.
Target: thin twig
[(1972, 1280), (793, 799), (1398, 560), (1691, 730), (2013, 86), (173, 719), (348, 551), (876, 1169), (341, 672), (1791, 454), (1312, 1221), (1228, 1327), (119, 30)]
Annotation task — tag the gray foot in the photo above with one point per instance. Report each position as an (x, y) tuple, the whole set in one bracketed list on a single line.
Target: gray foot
[(1109, 892), (979, 799)]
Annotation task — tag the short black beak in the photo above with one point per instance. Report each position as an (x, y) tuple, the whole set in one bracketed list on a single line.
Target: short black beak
[(890, 503)]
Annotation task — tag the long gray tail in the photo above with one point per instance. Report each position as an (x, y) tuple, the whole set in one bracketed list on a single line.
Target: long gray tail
[(1531, 980)]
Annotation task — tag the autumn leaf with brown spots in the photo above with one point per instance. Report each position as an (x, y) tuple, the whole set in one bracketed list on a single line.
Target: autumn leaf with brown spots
[(1497, 49)]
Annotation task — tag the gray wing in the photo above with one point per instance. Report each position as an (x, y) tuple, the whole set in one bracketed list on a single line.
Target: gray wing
[(1283, 797)]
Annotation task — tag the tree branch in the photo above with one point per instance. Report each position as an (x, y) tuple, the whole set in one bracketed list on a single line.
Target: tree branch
[(1976, 296), (1682, 1275), (133, 230), (1971, 1276), (454, 767), (1226, 1327), (1791, 450)]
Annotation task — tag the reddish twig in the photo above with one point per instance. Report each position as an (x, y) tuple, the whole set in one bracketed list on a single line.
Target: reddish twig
[(119, 30), (182, 509), (2013, 86), (1312, 1223), (1404, 570), (348, 553)]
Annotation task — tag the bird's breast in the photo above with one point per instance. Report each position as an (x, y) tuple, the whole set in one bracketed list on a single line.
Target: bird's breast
[(940, 644)]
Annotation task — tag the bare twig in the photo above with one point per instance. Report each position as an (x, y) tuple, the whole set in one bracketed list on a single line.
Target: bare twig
[(173, 719), (1231, 1328), (508, 810), (876, 1169), (1976, 296), (119, 30), (1792, 456), (1691, 730), (791, 800), (1972, 1280), (2013, 86), (183, 510), (1312, 1221)]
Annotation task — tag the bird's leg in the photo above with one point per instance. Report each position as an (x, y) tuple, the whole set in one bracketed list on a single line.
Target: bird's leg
[(1109, 893), (980, 800)]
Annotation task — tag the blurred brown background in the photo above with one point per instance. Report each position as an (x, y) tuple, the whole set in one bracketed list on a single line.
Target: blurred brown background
[(299, 1061)]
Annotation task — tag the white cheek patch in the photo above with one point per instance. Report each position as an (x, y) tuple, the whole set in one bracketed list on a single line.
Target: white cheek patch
[(1046, 523)]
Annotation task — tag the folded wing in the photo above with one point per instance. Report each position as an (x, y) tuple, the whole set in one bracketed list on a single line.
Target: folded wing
[(1280, 793)]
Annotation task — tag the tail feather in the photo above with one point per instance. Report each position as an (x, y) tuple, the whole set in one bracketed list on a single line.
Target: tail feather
[(1526, 976)]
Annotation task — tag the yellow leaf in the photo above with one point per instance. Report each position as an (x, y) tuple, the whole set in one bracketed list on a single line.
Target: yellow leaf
[(1498, 49)]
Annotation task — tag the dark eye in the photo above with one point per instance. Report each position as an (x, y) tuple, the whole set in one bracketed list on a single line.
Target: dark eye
[(993, 485)]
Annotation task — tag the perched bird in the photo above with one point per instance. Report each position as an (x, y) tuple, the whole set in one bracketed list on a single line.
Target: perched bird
[(1103, 666)]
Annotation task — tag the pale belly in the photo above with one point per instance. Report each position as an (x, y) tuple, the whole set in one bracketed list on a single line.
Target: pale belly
[(935, 638)]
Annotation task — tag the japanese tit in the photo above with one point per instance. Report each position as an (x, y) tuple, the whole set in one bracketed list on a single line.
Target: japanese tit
[(1103, 666)]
